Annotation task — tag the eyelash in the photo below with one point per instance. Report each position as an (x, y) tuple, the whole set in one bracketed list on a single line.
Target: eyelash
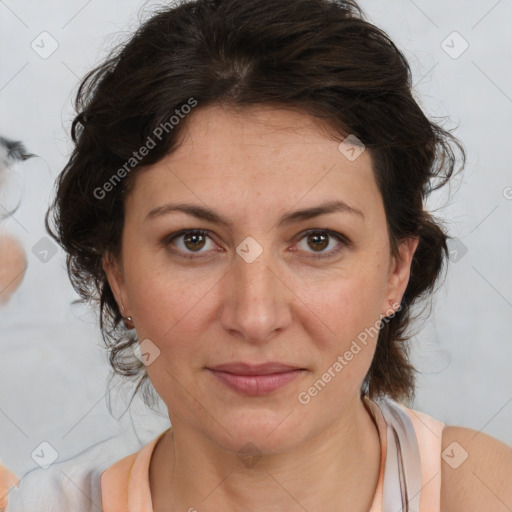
[(344, 241)]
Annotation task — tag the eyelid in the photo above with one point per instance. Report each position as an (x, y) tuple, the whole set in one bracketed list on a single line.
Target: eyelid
[(341, 238), (167, 240), (335, 234)]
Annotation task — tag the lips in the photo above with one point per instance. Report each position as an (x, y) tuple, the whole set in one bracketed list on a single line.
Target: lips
[(254, 380), (258, 369)]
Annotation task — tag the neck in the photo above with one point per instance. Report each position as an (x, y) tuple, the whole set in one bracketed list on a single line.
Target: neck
[(336, 470)]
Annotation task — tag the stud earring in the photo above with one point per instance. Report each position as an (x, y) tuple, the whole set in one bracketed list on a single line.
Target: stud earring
[(392, 309), (128, 322), (395, 305)]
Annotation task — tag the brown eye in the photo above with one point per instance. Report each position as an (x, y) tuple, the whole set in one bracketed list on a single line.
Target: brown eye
[(318, 240), (189, 242), (194, 241)]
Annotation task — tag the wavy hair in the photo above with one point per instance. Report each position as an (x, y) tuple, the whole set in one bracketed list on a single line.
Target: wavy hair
[(320, 57)]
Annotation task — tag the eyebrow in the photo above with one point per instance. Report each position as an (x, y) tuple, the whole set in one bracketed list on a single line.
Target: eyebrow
[(209, 215)]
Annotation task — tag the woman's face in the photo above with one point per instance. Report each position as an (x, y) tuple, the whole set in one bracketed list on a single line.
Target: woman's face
[(257, 288)]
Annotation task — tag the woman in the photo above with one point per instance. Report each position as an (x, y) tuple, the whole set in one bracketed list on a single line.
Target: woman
[(246, 201)]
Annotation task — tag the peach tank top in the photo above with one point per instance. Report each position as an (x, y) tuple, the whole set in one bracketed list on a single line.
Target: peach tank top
[(409, 478)]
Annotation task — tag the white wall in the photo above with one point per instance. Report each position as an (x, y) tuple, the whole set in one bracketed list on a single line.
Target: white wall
[(53, 370)]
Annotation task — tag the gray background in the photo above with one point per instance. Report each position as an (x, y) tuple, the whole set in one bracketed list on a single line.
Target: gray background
[(53, 370)]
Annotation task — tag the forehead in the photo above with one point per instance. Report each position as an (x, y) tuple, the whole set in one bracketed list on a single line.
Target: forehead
[(267, 158)]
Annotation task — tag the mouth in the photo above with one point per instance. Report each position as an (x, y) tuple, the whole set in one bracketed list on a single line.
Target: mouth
[(256, 380)]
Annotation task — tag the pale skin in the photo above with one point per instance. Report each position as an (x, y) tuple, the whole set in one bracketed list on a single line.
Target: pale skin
[(287, 305)]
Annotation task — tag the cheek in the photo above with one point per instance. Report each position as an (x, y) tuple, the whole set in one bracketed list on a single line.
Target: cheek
[(349, 312), (173, 314), (348, 305), (173, 310), (162, 296)]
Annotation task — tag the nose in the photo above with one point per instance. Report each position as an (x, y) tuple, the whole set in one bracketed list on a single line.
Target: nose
[(256, 301)]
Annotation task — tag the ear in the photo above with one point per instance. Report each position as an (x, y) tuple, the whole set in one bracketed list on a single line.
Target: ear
[(399, 273), (114, 272)]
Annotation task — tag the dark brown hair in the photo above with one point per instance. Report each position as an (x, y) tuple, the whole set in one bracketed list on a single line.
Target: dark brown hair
[(319, 57)]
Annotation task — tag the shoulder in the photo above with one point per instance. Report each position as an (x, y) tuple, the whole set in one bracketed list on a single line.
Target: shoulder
[(476, 472), (127, 478), (69, 484), (137, 462), (114, 484), (117, 475)]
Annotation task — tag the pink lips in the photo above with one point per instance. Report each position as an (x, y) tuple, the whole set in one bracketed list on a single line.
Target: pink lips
[(256, 379)]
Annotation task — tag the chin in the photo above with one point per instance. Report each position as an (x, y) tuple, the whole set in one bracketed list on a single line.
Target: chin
[(263, 431)]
